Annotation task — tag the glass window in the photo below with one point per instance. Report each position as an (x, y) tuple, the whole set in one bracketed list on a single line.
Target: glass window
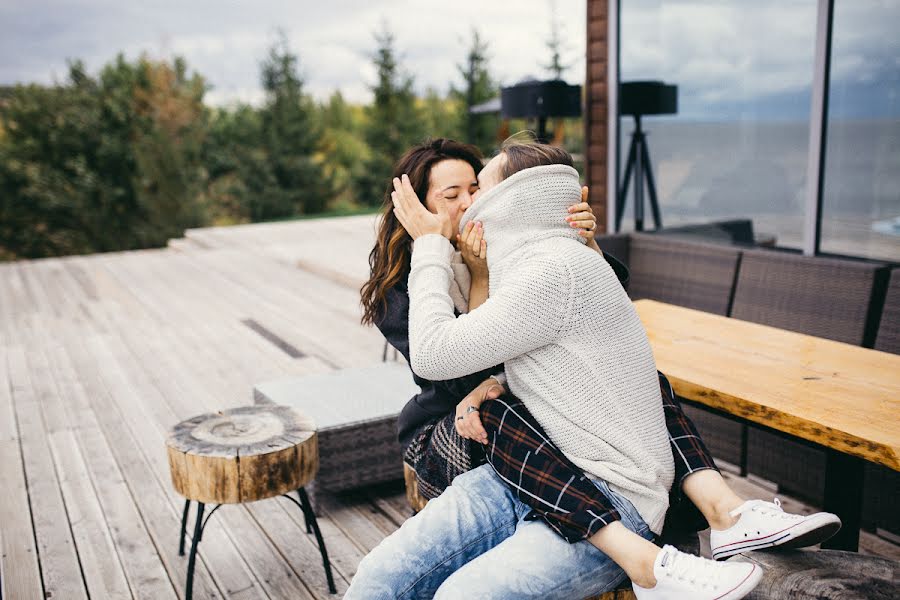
[(861, 194), (737, 149)]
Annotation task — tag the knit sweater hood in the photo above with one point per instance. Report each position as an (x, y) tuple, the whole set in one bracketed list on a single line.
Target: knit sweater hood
[(528, 206)]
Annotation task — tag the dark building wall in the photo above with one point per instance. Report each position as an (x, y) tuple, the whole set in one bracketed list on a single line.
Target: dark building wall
[(596, 132)]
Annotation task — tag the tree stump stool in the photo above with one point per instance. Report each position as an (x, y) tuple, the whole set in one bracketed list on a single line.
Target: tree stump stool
[(242, 455), (416, 501), (822, 575)]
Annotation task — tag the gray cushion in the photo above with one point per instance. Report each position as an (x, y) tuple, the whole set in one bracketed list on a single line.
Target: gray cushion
[(355, 411)]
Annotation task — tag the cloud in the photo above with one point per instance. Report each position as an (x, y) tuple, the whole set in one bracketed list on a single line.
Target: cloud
[(721, 54), (225, 41), (724, 55)]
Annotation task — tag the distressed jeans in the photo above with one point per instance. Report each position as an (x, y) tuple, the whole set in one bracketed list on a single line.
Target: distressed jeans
[(473, 541)]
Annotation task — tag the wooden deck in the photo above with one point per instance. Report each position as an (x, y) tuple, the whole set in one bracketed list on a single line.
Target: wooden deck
[(100, 355)]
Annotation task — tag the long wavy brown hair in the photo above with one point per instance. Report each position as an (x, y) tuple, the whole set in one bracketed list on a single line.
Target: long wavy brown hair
[(389, 259)]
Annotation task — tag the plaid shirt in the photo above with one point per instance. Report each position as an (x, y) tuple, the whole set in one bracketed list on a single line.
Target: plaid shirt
[(559, 492)]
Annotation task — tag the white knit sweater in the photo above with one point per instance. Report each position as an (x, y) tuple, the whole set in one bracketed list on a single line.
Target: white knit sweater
[(575, 350)]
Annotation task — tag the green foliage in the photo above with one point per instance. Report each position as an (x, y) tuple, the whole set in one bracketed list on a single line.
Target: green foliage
[(100, 164), (478, 87), (346, 152), (291, 137), (130, 157), (266, 163), (442, 116), (394, 121)]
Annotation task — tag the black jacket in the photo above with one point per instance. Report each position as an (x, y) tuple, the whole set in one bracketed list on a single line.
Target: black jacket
[(437, 398)]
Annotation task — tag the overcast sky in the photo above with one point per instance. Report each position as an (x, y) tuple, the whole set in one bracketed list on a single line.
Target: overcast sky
[(728, 56), (225, 40)]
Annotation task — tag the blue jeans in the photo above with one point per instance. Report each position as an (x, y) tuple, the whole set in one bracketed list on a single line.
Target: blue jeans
[(472, 542)]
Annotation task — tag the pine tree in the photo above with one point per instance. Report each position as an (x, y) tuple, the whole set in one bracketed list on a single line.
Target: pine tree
[(344, 146), (393, 120), (555, 45), (291, 137), (478, 87)]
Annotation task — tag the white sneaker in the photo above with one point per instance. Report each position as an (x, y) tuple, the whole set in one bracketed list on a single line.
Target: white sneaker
[(680, 575), (765, 524)]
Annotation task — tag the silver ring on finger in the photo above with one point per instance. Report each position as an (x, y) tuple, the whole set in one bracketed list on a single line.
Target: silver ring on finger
[(470, 410)]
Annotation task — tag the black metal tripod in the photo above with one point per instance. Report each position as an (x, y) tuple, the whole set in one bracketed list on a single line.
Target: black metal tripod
[(639, 163)]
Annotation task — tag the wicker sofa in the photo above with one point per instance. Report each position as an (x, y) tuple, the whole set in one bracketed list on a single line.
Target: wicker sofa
[(355, 411)]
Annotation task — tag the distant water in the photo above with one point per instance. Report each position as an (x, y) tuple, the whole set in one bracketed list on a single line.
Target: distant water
[(753, 169)]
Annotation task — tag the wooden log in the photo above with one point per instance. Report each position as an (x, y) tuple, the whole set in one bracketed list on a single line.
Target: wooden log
[(243, 454), (416, 501), (822, 575)]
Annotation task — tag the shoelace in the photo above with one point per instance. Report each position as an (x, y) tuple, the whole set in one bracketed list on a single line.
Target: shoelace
[(687, 567), (768, 508)]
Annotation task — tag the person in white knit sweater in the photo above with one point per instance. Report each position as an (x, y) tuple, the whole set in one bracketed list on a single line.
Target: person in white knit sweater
[(555, 305)]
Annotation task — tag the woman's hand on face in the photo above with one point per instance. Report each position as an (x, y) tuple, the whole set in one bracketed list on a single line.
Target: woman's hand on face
[(412, 214), (582, 217), (473, 248), (468, 422)]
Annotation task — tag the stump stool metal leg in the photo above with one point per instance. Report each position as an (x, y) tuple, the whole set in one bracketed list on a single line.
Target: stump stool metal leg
[(305, 516), (198, 530), (199, 526), (310, 518), (184, 518)]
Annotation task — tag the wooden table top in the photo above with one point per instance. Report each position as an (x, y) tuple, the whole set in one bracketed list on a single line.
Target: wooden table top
[(838, 395)]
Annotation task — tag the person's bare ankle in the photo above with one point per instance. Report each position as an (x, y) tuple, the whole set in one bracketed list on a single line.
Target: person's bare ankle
[(721, 518), (642, 573)]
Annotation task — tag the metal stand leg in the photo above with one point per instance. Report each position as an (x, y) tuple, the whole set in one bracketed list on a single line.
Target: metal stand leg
[(626, 181), (311, 519), (651, 185), (745, 447), (305, 516), (844, 479), (198, 531), (184, 518)]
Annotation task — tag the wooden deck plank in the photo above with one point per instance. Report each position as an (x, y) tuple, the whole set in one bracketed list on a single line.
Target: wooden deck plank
[(357, 518), (100, 565), (329, 325), (60, 567), (114, 535), (20, 575), (142, 565)]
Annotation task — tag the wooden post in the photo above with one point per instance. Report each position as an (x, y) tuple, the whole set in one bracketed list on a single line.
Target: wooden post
[(596, 130)]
